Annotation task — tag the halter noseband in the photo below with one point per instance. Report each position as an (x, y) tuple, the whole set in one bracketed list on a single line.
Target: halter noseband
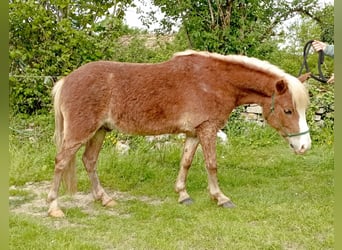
[(286, 134), (297, 134)]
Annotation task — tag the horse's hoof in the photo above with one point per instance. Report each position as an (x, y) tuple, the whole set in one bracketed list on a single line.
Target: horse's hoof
[(110, 203), (187, 201), (228, 204), (56, 213)]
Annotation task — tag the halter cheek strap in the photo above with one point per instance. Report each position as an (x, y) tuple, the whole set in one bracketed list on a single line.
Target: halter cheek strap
[(291, 134), (272, 103)]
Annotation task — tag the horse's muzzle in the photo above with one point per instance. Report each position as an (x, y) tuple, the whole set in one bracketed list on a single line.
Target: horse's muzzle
[(302, 149)]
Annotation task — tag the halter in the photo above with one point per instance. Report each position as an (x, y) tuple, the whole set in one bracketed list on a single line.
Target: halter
[(272, 103), (297, 134), (291, 134)]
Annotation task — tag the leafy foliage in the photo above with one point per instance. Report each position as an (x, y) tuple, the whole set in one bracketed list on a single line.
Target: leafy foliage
[(322, 101), (238, 27), (49, 39)]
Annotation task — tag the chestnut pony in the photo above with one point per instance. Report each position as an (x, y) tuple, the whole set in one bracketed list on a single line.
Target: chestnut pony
[(192, 93)]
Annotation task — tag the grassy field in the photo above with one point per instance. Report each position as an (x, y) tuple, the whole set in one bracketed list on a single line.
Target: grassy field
[(284, 201)]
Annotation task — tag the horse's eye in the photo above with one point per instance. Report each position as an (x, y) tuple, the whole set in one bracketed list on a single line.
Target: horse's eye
[(288, 111)]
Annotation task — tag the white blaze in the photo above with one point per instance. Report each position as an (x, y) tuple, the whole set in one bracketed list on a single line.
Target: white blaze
[(301, 143)]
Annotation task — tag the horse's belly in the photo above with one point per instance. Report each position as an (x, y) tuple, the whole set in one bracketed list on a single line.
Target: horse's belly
[(144, 125)]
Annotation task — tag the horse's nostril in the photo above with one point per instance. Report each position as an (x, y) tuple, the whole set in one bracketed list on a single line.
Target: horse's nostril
[(291, 146), (303, 149)]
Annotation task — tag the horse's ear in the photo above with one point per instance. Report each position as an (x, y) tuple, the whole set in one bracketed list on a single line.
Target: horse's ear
[(304, 77), (281, 87)]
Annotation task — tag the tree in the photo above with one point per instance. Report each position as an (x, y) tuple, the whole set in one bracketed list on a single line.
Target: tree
[(229, 26), (49, 38), (314, 23)]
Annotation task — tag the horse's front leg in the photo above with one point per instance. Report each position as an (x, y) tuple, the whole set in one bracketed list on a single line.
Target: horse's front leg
[(207, 137), (189, 150)]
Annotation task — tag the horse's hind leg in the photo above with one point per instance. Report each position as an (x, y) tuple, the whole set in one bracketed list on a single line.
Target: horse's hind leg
[(189, 150), (64, 159), (90, 155)]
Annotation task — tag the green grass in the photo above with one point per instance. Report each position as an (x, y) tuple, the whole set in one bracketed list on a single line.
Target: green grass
[(284, 201)]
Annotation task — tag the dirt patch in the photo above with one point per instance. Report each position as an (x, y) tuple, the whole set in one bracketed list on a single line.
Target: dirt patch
[(30, 199)]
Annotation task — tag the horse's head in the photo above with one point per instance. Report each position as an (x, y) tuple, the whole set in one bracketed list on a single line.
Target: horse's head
[(285, 111)]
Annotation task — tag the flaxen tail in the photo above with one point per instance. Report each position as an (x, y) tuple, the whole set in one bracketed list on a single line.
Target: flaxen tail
[(69, 172)]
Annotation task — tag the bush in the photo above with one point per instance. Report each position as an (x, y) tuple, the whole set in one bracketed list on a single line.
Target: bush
[(30, 95), (322, 101)]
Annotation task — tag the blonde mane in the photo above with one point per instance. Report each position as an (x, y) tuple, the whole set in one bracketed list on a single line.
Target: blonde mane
[(297, 89)]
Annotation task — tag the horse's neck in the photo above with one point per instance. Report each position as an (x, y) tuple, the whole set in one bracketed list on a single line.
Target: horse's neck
[(251, 98), (253, 89)]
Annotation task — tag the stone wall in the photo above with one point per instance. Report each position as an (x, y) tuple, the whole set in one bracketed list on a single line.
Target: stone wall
[(253, 112)]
